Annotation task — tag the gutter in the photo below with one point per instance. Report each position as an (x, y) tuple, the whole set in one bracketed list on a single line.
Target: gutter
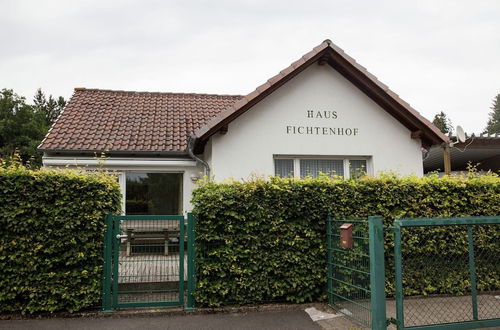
[(191, 142), (116, 162)]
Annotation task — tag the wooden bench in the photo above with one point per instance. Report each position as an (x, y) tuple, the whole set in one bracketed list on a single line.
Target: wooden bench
[(149, 236)]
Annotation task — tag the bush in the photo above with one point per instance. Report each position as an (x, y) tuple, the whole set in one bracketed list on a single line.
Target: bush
[(265, 240), (51, 238)]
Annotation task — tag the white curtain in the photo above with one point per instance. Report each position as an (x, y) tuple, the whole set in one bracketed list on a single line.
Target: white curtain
[(315, 167)]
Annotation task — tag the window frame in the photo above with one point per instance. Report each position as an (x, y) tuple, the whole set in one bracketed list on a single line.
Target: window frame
[(346, 160), (122, 181)]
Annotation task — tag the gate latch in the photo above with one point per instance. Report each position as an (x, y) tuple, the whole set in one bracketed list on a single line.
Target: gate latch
[(121, 237), (346, 236)]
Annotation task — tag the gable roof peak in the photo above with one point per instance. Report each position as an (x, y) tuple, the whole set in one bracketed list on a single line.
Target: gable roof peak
[(328, 52)]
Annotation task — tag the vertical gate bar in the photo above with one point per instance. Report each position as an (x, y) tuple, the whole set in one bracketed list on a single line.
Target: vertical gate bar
[(190, 270), (377, 272), (472, 271), (107, 267), (399, 276), (181, 261), (329, 259), (116, 259)]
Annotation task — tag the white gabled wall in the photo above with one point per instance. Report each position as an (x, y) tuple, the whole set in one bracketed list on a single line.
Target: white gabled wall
[(256, 136)]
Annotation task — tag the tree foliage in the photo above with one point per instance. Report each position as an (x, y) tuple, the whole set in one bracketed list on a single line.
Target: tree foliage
[(23, 126), (442, 122), (493, 125), (50, 107)]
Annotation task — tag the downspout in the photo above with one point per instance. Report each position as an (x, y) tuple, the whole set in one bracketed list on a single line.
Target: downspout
[(191, 141)]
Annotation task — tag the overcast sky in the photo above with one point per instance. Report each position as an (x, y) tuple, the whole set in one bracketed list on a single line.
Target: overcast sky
[(437, 55)]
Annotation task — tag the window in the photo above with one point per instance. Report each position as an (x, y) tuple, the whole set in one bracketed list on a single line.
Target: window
[(357, 168), (153, 193), (283, 168), (314, 167)]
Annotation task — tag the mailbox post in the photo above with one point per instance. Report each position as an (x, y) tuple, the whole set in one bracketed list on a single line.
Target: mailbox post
[(346, 236)]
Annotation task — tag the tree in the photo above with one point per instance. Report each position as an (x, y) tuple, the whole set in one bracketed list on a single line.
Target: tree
[(21, 128), (442, 122), (50, 107), (493, 125), (39, 101)]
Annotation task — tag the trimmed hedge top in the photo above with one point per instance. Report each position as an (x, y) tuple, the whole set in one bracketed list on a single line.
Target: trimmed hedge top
[(264, 240), (51, 237)]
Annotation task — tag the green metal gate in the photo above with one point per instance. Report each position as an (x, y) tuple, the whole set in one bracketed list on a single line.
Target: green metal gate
[(421, 256), (436, 287), (356, 276), (145, 263)]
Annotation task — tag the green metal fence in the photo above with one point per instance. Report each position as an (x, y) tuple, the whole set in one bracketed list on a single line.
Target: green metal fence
[(356, 277), (145, 263), (447, 272)]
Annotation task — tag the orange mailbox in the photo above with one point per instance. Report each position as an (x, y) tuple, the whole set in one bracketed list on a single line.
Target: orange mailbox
[(346, 236)]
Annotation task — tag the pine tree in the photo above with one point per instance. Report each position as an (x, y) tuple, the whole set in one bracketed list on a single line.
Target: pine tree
[(442, 122), (50, 107), (61, 103), (52, 110), (39, 101), (493, 125)]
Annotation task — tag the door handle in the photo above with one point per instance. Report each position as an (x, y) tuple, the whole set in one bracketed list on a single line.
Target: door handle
[(122, 238)]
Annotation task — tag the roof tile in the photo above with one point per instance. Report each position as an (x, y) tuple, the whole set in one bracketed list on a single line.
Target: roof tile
[(97, 119)]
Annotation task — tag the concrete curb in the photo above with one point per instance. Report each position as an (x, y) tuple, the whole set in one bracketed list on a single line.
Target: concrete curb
[(166, 311)]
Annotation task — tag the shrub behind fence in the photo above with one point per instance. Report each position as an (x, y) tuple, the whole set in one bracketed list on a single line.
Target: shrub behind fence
[(51, 238), (265, 240)]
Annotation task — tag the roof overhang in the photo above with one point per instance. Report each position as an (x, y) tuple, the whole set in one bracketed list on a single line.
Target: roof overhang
[(475, 150), (121, 162), (116, 152)]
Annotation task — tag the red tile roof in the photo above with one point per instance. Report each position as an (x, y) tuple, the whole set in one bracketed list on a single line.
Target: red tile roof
[(120, 121)]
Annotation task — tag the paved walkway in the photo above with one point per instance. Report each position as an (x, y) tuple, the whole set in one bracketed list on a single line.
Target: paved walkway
[(286, 320)]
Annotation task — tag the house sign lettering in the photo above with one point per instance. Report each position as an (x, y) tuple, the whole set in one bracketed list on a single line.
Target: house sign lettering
[(321, 130)]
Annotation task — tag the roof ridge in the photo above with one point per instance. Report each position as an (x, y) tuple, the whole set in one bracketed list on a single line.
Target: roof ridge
[(84, 89)]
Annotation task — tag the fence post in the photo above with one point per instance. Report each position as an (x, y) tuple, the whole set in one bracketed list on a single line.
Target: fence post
[(377, 272), (329, 259), (398, 268), (190, 266), (472, 271), (107, 267), (115, 246), (182, 225)]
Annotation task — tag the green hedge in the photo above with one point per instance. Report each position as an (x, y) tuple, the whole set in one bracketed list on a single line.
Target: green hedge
[(265, 240), (51, 238)]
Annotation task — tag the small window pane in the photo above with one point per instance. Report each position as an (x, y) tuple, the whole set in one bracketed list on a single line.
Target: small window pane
[(357, 168), (283, 168), (315, 167), (153, 193)]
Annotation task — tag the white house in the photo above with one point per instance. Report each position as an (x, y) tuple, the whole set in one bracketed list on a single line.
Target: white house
[(323, 114)]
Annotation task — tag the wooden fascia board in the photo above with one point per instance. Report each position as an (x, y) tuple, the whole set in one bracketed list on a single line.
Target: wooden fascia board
[(382, 98), (259, 98)]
